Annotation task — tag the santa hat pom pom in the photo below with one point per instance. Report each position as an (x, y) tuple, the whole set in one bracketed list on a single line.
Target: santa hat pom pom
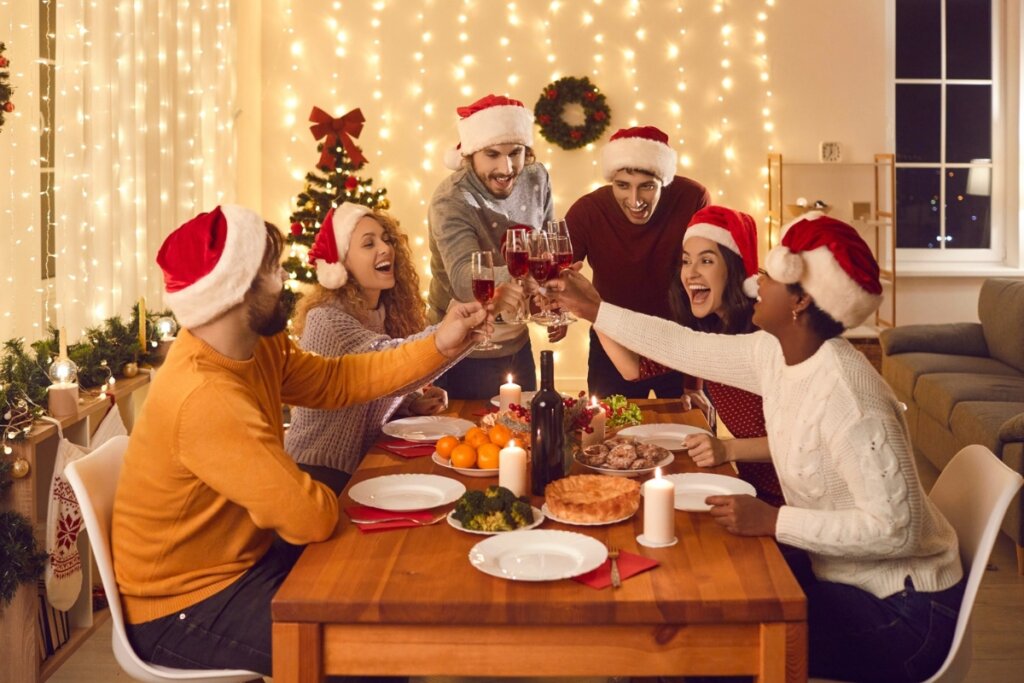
[(750, 287), (784, 266), (453, 158), (331, 275)]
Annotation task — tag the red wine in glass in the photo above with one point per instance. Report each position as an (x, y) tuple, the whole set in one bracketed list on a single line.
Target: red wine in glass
[(483, 290), (518, 263), (562, 261), (541, 268)]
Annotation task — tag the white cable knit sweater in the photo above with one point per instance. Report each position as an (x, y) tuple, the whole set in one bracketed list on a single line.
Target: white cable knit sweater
[(839, 443)]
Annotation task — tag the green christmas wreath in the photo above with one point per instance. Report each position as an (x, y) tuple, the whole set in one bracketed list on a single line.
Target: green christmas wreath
[(550, 108)]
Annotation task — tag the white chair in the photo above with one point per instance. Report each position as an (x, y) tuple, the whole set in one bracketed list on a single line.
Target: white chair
[(94, 480), (972, 492)]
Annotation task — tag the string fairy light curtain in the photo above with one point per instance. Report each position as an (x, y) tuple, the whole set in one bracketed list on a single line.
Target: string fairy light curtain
[(145, 100)]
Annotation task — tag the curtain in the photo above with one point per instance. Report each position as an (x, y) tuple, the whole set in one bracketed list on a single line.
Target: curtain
[(145, 102)]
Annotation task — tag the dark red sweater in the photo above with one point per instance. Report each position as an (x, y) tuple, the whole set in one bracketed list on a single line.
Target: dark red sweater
[(634, 264)]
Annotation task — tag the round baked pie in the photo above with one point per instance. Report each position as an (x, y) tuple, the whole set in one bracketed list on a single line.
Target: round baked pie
[(592, 498)]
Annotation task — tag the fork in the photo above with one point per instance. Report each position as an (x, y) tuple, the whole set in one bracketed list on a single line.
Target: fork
[(419, 522), (613, 555)]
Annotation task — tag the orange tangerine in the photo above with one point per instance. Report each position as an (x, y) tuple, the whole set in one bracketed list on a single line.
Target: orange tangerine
[(476, 436), (463, 455), (445, 445), (487, 456), (499, 435)]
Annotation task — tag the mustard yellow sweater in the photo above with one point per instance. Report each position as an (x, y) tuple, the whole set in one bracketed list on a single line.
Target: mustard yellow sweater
[(206, 481)]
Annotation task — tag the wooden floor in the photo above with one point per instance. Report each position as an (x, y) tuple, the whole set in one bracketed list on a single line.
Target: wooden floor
[(998, 627)]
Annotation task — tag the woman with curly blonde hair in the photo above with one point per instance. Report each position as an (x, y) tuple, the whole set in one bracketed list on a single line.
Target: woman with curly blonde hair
[(367, 299)]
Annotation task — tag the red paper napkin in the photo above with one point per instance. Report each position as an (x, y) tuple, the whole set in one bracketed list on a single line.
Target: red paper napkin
[(406, 449), (629, 565), (364, 512)]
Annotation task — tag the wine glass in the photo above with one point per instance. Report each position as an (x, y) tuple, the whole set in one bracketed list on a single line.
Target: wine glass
[(561, 247), (482, 274), (517, 257), (542, 268)]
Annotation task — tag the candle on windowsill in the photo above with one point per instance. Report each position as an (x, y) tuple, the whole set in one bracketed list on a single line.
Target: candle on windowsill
[(596, 435), (659, 510), (512, 468), (509, 393)]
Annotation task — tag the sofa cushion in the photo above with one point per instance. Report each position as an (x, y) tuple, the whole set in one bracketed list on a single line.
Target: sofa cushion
[(902, 370), (1013, 428), (937, 394), (979, 422), (960, 339), (1001, 311)]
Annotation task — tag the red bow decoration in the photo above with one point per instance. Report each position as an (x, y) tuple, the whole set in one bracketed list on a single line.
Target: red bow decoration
[(342, 129)]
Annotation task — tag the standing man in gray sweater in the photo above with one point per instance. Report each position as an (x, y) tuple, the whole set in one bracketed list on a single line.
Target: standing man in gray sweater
[(496, 184)]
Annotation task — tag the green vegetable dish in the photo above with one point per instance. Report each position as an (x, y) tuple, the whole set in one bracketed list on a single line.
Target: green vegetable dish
[(494, 509)]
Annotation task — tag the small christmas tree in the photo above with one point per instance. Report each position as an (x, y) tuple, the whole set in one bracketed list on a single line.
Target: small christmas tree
[(335, 181), (6, 106)]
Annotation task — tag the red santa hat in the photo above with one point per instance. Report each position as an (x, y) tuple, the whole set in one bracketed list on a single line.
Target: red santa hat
[(734, 230), (210, 262), (832, 263), (491, 120), (644, 148), (331, 245)]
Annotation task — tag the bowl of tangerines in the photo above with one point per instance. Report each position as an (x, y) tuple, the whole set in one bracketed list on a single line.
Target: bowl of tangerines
[(476, 453)]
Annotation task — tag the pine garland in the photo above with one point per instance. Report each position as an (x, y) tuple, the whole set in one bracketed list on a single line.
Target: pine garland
[(22, 560), (6, 106)]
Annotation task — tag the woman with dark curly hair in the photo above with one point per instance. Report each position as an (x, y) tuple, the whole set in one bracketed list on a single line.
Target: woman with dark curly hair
[(367, 299)]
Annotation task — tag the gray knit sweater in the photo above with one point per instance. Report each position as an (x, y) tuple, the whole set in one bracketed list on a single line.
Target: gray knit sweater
[(464, 217), (340, 438)]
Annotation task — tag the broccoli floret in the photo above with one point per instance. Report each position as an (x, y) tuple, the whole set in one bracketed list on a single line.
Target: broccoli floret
[(494, 521), (521, 513), (468, 506), (494, 509)]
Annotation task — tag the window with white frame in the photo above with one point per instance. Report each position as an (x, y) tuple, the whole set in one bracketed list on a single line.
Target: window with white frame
[(947, 165)]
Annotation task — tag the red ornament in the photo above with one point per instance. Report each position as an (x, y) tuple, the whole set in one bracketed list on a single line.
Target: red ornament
[(551, 94), (8, 107), (351, 183), (296, 229), (575, 135), (544, 119), (599, 116), (3, 62), (589, 96)]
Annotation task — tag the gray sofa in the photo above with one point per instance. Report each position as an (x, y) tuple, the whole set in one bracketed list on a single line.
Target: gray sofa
[(963, 383)]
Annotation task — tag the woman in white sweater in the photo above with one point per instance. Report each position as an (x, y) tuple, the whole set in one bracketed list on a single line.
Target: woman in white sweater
[(885, 582), (367, 299)]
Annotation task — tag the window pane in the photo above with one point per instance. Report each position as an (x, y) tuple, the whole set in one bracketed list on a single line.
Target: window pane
[(968, 123), (918, 30), (968, 39), (917, 123), (917, 207), (968, 208)]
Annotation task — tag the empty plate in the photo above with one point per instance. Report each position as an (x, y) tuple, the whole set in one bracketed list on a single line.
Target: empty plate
[(402, 492), (538, 555)]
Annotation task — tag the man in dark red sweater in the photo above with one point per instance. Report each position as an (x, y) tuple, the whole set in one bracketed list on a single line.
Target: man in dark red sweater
[(631, 232)]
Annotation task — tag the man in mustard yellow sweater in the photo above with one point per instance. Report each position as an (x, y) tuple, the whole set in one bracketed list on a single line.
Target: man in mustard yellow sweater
[(211, 512)]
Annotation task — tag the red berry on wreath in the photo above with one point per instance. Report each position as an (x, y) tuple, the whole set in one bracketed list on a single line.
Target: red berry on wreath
[(3, 62), (8, 107), (296, 229), (544, 119), (351, 183), (590, 96), (575, 135), (599, 116), (552, 94)]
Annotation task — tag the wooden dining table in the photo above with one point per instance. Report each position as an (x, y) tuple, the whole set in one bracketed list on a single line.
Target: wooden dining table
[(408, 601)]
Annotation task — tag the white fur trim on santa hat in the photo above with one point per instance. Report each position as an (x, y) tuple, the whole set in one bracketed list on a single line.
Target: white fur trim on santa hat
[(640, 153), (751, 287), (225, 286), (716, 234), (783, 265), (453, 158), (498, 125), (834, 291), (344, 219)]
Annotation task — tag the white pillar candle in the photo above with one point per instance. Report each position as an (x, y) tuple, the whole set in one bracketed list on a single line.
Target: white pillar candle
[(509, 393), (595, 436), (659, 510), (512, 468)]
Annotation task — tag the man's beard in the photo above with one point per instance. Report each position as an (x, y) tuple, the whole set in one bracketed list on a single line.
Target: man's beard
[(268, 323)]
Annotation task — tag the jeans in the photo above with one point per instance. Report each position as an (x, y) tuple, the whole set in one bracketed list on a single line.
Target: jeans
[(603, 379), (479, 378), (855, 636)]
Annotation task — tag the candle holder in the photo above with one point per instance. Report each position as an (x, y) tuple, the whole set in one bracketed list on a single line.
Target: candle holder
[(62, 395)]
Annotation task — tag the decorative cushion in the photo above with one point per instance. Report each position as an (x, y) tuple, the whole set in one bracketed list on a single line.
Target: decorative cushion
[(961, 339)]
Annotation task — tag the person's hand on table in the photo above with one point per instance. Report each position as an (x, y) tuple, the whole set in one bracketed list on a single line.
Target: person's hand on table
[(575, 293), (431, 402), (744, 515), (460, 325), (705, 450)]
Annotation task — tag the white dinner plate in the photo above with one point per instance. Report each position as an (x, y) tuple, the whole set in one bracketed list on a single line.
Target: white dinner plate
[(667, 435), (538, 517), (427, 427), (468, 471), (693, 487), (538, 555), (664, 462), (551, 516), (403, 492)]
